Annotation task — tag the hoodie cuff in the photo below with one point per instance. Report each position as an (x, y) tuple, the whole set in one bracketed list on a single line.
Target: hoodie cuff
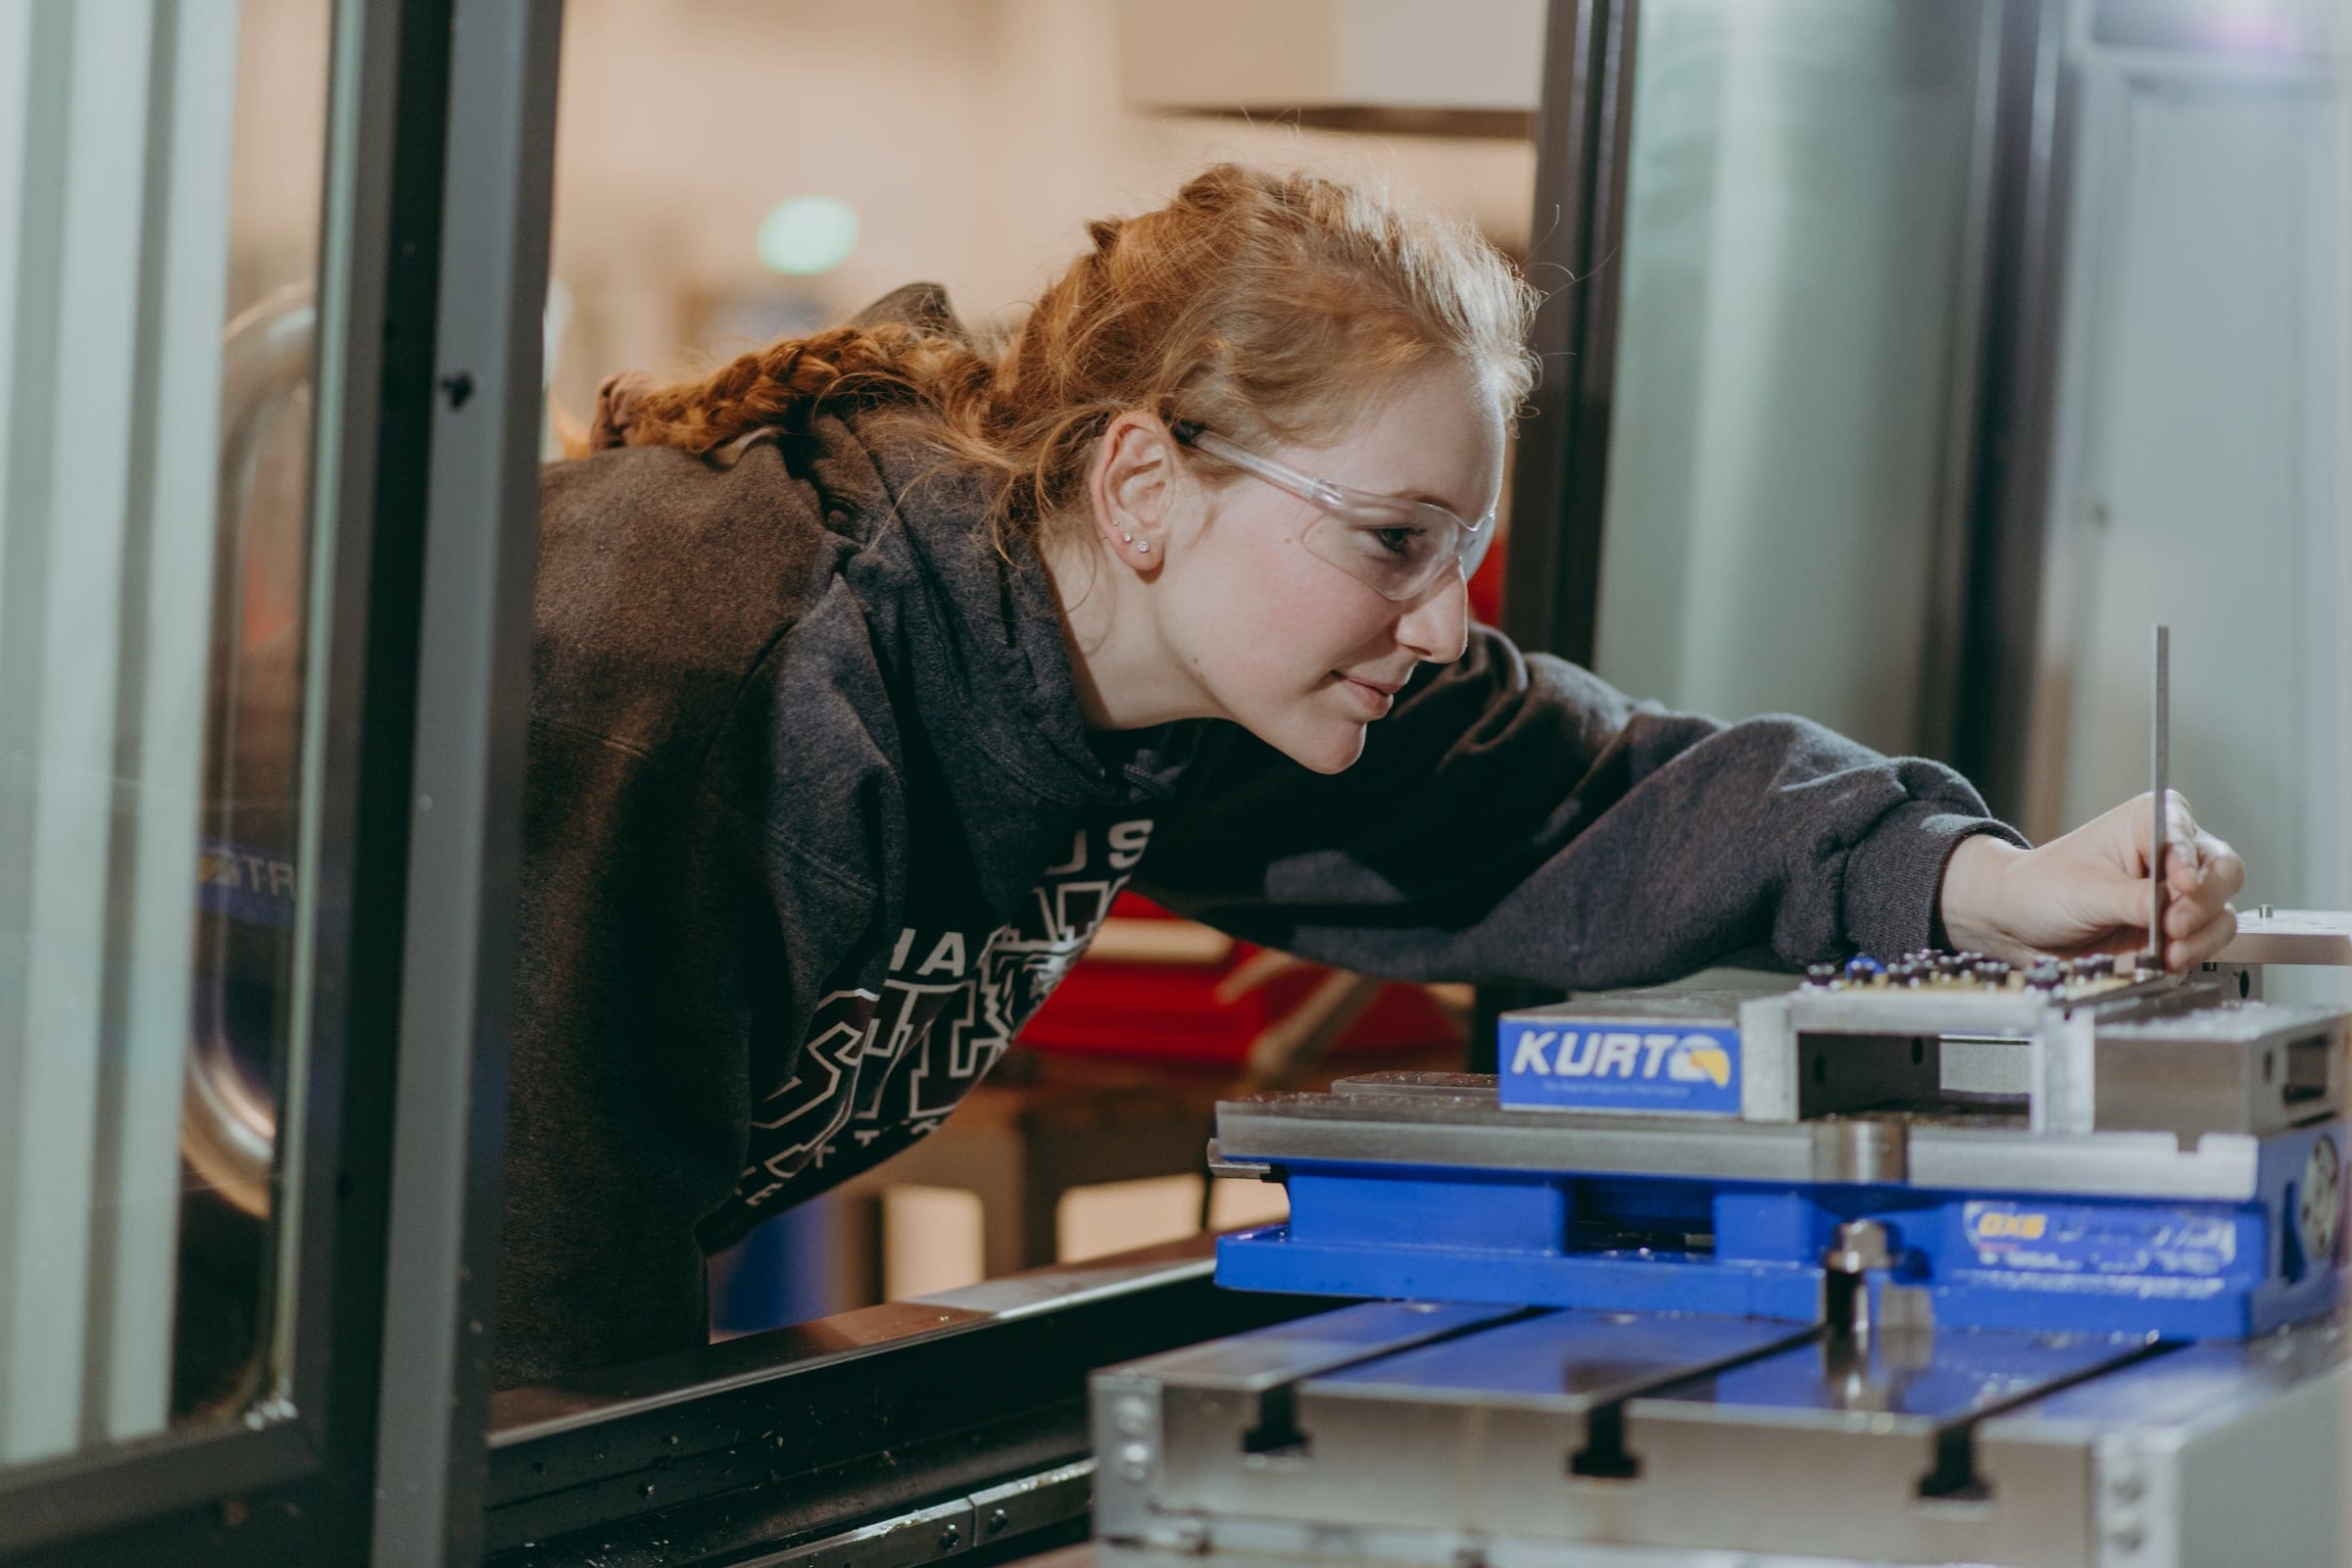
[(1895, 877)]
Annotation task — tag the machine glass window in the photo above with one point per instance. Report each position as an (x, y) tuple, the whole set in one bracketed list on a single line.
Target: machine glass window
[(160, 179), (1794, 376), (2202, 382)]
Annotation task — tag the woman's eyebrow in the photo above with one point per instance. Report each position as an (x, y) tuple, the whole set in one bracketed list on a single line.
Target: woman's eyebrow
[(1423, 496), (1441, 502), (1426, 497)]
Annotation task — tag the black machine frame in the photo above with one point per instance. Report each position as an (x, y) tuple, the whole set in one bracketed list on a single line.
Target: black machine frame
[(2032, 189), (1584, 134), (1551, 575), (780, 1438)]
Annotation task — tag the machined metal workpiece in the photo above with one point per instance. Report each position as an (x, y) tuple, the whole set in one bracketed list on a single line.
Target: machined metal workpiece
[(2240, 1067), (2177, 1057)]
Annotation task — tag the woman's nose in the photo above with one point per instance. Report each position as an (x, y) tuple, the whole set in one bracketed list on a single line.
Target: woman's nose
[(1437, 625)]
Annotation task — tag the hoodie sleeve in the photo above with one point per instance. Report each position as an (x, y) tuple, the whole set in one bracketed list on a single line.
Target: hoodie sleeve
[(1516, 818)]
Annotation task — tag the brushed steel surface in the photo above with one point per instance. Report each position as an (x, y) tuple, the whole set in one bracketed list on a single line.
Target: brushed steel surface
[(1905, 1446)]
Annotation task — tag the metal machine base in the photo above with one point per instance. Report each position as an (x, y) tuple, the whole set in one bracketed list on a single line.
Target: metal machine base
[(1419, 1433)]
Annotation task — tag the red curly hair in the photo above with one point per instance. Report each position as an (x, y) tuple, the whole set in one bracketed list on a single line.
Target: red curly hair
[(1266, 305)]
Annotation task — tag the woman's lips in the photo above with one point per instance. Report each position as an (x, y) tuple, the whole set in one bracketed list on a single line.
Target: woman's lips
[(1376, 700)]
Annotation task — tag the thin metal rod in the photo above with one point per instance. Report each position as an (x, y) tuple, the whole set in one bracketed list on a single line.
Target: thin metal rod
[(2160, 742)]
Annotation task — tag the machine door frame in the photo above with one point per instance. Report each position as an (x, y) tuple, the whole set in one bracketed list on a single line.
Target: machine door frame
[(1584, 134), (432, 276)]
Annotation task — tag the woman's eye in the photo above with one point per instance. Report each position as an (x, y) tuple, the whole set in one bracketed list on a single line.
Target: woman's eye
[(1398, 541)]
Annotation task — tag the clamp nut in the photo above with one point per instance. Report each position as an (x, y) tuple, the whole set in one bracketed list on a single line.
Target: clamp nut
[(1859, 1247)]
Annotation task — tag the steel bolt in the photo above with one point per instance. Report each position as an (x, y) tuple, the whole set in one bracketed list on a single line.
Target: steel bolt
[(950, 1539), (1860, 1246), (1132, 1417), (997, 1519)]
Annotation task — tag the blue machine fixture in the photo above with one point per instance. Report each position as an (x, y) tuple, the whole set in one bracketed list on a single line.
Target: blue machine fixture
[(2105, 1153)]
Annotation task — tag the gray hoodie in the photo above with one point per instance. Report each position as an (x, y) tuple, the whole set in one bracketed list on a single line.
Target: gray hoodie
[(814, 825)]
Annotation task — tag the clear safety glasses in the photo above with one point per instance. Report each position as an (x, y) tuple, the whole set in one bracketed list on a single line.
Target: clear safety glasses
[(1394, 546)]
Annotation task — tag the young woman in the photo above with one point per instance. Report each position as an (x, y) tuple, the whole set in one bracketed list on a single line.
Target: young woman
[(871, 668)]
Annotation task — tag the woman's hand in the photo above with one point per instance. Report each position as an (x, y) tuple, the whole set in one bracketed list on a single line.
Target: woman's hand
[(2089, 891)]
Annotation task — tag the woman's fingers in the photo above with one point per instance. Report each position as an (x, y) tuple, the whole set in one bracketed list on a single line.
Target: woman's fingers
[(2202, 875), (2198, 858), (2200, 921), (2089, 891), (2197, 899), (2202, 943), (2224, 871)]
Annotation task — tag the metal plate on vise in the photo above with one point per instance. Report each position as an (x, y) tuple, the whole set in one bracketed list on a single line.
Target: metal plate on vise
[(1458, 1129), (2291, 936)]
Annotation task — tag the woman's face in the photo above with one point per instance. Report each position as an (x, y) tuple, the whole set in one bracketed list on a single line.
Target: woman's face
[(1285, 643)]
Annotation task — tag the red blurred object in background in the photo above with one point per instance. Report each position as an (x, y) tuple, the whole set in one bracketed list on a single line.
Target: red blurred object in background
[(1149, 989), (1486, 588)]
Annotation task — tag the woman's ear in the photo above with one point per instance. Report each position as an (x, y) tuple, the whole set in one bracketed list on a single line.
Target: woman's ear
[(1133, 487)]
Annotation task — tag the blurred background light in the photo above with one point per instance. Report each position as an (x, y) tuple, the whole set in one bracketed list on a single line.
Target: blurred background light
[(807, 234)]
